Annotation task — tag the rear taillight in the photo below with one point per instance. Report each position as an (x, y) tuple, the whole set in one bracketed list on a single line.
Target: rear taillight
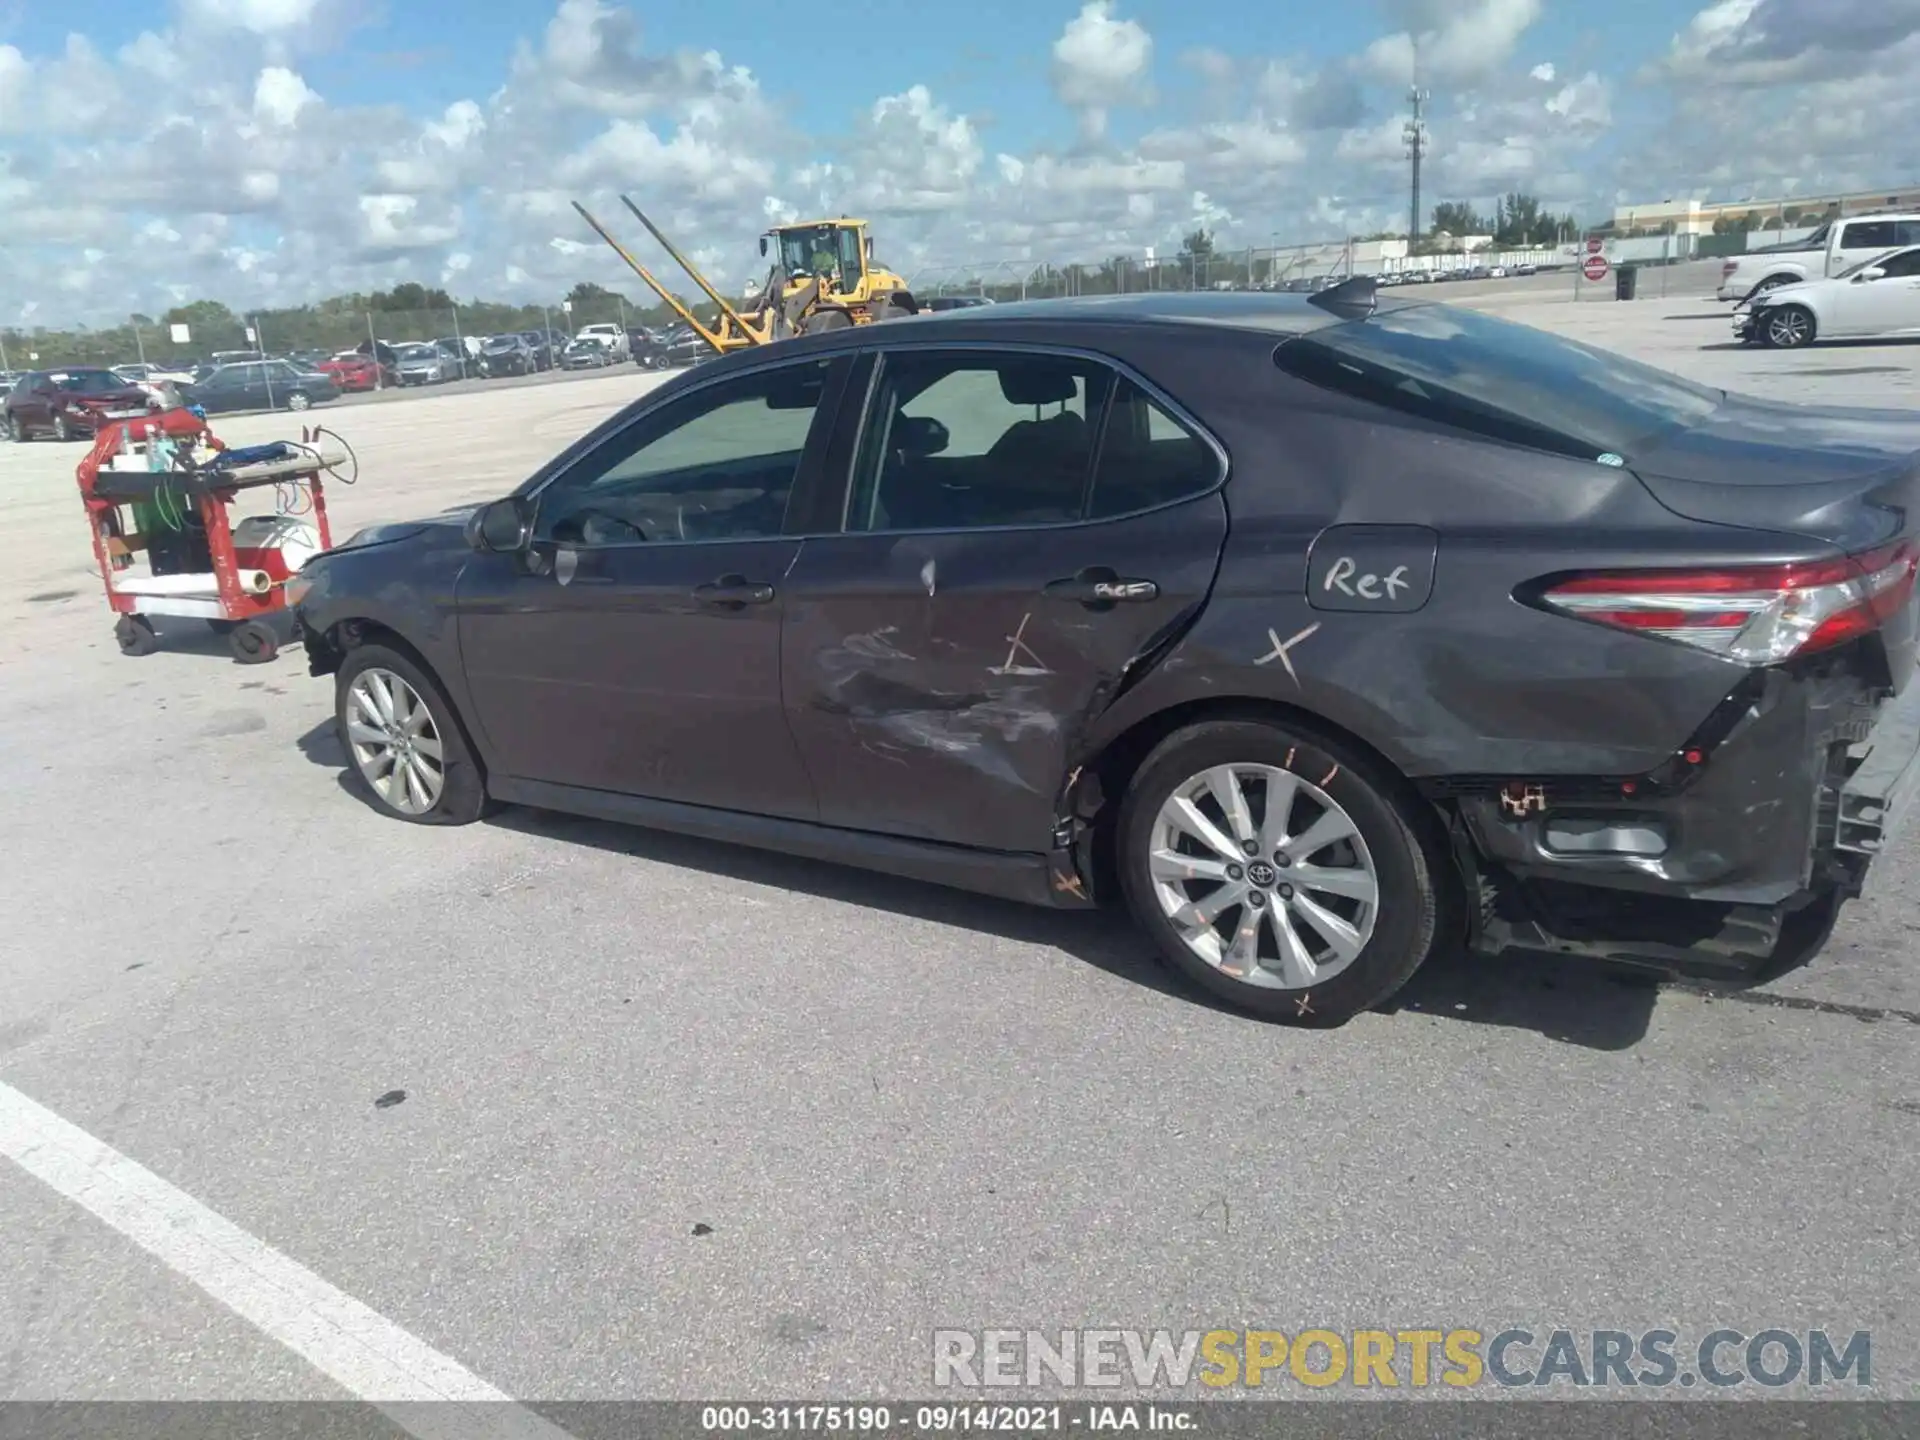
[(1756, 615), (1728, 268)]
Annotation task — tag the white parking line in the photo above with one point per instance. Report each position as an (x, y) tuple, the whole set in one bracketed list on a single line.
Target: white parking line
[(428, 1394)]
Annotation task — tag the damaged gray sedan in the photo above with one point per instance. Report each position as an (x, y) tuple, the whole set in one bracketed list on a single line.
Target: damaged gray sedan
[(1324, 632)]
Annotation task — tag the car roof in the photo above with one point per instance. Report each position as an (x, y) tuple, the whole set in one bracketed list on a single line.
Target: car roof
[(1082, 319), (1257, 311)]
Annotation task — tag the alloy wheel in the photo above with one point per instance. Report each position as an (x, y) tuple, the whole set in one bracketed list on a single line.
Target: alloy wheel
[(1263, 876), (1788, 328), (395, 743)]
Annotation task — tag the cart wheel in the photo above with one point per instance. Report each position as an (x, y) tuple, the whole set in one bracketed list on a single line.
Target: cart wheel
[(135, 635), (253, 642)]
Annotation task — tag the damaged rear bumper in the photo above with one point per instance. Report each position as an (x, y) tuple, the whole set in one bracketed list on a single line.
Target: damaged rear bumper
[(1771, 812)]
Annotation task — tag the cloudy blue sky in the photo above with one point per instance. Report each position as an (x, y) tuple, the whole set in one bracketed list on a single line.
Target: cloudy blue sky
[(271, 151)]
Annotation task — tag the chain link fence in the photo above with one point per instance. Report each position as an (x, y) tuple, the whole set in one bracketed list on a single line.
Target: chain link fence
[(311, 334), (1136, 272)]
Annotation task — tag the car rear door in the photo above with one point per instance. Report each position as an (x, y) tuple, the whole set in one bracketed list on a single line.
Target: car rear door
[(635, 648), (1021, 527)]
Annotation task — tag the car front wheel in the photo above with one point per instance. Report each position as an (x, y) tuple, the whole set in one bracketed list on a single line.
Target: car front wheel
[(1276, 871), (1788, 327), (404, 741)]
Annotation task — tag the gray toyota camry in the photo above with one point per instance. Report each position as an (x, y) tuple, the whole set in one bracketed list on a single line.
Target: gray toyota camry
[(1322, 631)]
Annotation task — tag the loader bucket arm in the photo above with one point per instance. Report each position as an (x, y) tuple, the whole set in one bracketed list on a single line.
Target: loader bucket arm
[(692, 274), (665, 294)]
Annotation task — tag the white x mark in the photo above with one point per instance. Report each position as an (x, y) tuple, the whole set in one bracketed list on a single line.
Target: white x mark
[(1281, 647)]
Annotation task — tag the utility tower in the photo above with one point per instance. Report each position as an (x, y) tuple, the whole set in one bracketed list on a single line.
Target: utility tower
[(1415, 131)]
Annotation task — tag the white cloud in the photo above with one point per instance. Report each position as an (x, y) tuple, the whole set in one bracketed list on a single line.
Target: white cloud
[(1100, 63), (235, 178), (1453, 41), (279, 96), (261, 17)]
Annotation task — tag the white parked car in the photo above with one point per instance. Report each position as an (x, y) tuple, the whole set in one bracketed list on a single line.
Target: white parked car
[(1878, 298), (611, 336)]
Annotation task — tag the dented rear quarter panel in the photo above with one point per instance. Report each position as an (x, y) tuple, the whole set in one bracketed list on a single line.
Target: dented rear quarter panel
[(1473, 682)]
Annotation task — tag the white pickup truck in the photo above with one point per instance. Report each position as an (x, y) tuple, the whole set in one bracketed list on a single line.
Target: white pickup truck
[(1836, 245), (611, 336)]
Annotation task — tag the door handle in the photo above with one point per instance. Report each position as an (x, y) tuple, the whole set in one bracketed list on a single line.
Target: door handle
[(1099, 588), (731, 592)]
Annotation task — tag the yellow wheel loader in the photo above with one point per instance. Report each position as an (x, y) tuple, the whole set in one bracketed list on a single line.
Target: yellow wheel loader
[(822, 277)]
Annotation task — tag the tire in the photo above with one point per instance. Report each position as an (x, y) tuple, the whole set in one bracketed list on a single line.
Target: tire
[(1389, 847), (61, 429), (1772, 282), (298, 401), (134, 635), (1788, 327), (9, 432), (253, 642), (822, 321), (461, 797)]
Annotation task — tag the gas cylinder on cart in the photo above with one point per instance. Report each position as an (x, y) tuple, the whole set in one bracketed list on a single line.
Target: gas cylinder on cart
[(277, 544)]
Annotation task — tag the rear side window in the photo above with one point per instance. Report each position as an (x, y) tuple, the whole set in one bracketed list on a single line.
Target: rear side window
[(961, 441), (1499, 380), (1147, 457), (1870, 235)]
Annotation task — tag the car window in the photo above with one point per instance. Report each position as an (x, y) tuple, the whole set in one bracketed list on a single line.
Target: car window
[(1499, 379), (1147, 457), (1869, 235), (89, 382), (1902, 266), (960, 441), (718, 464)]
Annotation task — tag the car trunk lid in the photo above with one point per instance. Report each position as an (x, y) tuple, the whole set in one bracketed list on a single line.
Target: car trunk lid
[(1824, 478), (1846, 477)]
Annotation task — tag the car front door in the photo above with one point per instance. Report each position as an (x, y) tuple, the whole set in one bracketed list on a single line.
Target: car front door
[(1862, 240), (991, 585), (1886, 304), (1893, 299), (634, 647), (33, 402)]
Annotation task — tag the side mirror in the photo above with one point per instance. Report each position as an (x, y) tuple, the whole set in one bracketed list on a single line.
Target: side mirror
[(502, 527), (1872, 272), (763, 244)]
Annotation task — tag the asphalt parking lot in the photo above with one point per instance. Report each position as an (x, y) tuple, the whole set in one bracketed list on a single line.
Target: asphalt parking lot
[(590, 1113)]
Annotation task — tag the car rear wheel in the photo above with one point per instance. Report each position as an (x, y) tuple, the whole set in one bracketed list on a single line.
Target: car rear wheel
[(1788, 327), (297, 401), (404, 741), (1276, 871)]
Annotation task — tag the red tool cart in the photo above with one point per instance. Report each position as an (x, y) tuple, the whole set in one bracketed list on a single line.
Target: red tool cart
[(161, 485)]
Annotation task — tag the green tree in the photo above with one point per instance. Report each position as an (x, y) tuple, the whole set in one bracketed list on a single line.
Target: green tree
[(1198, 244), (204, 314), (1458, 217)]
